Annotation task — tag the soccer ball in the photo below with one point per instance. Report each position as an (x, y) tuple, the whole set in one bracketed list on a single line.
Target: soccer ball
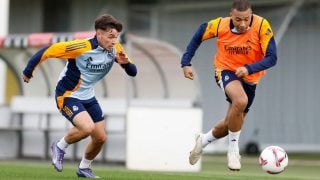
[(273, 159)]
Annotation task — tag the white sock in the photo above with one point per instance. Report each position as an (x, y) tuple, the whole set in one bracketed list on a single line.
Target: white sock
[(85, 163), (207, 138), (234, 141), (62, 144)]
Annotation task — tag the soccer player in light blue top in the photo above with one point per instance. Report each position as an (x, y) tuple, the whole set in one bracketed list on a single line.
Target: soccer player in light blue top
[(89, 60)]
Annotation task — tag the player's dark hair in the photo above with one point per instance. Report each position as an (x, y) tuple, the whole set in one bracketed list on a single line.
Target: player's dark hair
[(241, 5), (106, 22)]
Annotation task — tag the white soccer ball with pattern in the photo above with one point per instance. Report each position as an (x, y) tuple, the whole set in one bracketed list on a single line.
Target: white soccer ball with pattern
[(273, 159)]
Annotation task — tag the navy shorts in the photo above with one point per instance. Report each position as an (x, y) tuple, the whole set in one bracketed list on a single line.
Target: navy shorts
[(72, 106), (224, 77)]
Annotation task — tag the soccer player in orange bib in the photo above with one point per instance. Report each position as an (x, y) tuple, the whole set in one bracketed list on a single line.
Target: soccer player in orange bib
[(245, 49)]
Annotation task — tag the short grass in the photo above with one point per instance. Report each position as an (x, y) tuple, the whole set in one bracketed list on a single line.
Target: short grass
[(301, 166)]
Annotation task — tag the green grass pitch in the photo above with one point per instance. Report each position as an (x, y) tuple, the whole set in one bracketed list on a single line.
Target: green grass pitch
[(304, 167)]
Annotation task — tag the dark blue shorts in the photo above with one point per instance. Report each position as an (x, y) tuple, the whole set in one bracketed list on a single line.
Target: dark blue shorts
[(224, 77), (72, 106)]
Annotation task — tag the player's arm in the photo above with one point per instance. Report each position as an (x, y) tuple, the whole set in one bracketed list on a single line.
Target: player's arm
[(124, 61), (35, 60), (204, 32), (268, 46), (65, 50)]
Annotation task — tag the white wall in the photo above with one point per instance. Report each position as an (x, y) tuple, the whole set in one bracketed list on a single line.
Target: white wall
[(4, 13), (160, 138), (2, 81)]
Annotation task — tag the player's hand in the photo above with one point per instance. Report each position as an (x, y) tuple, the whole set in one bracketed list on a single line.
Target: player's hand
[(242, 72), (122, 58), (188, 72), (25, 79)]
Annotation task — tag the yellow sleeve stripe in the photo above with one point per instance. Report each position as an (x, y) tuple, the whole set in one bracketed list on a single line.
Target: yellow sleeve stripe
[(212, 29), (67, 50), (76, 46)]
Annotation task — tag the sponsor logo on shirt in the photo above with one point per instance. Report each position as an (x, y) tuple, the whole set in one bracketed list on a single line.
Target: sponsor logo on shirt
[(233, 50), (97, 67)]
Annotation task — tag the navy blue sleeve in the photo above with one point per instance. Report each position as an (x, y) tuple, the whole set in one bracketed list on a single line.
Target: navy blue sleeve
[(130, 69), (33, 62), (268, 61), (193, 45)]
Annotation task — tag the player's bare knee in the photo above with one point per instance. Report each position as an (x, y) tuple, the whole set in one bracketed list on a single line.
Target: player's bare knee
[(87, 130), (100, 139), (240, 103)]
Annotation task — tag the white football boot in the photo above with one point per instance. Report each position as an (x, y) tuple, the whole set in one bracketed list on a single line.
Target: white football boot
[(196, 152), (234, 161)]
